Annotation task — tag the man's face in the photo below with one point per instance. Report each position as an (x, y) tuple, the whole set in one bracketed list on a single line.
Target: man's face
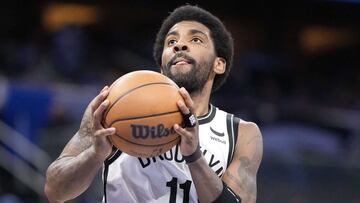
[(188, 55)]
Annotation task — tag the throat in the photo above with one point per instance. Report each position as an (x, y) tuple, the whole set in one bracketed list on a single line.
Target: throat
[(201, 99), (201, 104)]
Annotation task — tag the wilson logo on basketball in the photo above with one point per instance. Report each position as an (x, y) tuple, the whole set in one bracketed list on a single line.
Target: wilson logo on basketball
[(145, 131)]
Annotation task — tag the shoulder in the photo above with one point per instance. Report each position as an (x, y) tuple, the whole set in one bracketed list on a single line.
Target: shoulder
[(249, 137), (246, 128)]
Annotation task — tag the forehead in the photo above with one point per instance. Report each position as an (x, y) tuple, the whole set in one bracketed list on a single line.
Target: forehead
[(189, 25)]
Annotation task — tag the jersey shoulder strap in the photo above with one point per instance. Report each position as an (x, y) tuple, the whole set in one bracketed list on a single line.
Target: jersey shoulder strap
[(232, 123)]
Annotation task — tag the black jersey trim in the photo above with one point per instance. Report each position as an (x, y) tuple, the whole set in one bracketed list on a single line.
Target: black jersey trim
[(107, 163), (232, 124), (112, 158), (105, 175), (229, 125), (236, 128), (209, 116)]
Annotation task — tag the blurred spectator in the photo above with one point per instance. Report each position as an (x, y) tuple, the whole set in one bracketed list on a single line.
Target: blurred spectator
[(26, 109), (69, 52), (9, 198)]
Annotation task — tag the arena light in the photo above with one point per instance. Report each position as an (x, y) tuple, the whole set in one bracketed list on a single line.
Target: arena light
[(57, 15), (321, 38)]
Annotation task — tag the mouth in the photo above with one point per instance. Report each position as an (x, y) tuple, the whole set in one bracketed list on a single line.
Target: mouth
[(180, 61)]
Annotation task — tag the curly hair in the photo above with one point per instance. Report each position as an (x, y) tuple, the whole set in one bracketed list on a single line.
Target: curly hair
[(223, 41)]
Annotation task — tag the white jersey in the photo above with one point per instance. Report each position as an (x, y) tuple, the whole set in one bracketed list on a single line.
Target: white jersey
[(166, 178)]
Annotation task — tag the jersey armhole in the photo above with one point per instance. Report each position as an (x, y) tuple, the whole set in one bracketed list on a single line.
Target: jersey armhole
[(236, 128), (232, 123), (115, 153)]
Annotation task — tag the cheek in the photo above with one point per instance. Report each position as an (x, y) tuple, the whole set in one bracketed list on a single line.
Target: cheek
[(202, 59), (162, 61), (165, 57), (202, 55)]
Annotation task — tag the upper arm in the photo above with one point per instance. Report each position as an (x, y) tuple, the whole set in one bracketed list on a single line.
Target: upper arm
[(241, 173)]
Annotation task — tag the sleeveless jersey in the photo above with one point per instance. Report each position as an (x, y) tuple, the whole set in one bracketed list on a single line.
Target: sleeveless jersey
[(166, 178)]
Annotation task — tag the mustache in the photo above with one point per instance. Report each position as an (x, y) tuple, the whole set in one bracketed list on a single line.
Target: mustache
[(180, 55)]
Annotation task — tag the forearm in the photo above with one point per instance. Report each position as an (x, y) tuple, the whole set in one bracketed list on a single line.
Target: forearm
[(68, 177), (208, 185)]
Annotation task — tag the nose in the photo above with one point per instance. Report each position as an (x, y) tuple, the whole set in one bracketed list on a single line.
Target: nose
[(180, 47)]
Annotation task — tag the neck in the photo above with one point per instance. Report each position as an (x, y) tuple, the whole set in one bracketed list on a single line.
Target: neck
[(201, 99)]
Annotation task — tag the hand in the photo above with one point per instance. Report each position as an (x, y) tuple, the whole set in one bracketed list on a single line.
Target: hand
[(91, 128), (189, 135)]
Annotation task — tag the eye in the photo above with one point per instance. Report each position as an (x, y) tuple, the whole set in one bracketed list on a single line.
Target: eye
[(196, 40), (171, 42)]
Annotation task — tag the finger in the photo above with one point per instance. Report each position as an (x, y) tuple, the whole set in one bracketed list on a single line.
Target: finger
[(95, 103), (186, 137), (105, 132), (187, 99), (98, 114), (181, 131), (189, 119), (105, 88), (183, 108)]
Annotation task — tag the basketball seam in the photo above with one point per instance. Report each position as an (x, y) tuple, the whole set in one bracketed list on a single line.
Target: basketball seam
[(153, 145), (140, 117), (133, 89)]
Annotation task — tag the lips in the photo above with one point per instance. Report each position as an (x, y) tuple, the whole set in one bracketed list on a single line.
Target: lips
[(180, 61)]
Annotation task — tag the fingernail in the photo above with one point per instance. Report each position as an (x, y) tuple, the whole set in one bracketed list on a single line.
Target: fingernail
[(104, 88)]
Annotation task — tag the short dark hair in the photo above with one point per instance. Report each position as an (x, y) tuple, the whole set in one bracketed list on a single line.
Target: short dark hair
[(223, 42)]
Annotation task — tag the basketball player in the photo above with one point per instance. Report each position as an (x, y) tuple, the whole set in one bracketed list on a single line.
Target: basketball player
[(219, 154)]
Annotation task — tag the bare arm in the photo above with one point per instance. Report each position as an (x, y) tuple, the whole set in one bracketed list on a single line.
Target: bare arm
[(241, 174), (208, 185), (71, 174)]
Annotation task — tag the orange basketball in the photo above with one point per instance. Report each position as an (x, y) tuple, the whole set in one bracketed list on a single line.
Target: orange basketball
[(143, 110)]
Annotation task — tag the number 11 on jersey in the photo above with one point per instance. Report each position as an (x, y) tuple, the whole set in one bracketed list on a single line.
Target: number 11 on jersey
[(173, 184)]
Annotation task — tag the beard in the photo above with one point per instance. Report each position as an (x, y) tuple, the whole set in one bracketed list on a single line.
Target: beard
[(193, 80)]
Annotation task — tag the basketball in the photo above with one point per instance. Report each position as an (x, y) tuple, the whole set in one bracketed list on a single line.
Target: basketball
[(143, 110)]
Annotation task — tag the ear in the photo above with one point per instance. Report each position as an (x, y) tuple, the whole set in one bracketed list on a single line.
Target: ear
[(219, 65)]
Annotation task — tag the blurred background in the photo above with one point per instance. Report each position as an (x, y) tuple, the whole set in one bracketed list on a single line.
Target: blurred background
[(296, 74)]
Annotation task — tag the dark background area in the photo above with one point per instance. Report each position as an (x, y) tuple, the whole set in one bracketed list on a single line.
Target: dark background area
[(296, 74)]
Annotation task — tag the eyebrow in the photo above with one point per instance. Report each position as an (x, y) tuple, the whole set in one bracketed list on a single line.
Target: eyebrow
[(195, 31), (172, 33), (191, 31)]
